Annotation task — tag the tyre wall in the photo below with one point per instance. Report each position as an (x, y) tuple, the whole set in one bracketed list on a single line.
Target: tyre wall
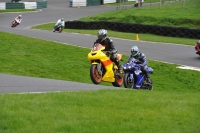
[(136, 28)]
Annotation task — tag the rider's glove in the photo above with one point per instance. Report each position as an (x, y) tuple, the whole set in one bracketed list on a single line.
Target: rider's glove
[(137, 62), (108, 52)]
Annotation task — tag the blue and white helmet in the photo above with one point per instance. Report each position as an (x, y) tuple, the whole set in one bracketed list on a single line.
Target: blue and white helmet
[(134, 51), (102, 34)]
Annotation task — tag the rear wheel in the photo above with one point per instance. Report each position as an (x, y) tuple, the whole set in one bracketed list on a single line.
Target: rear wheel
[(150, 86), (128, 83), (60, 30), (95, 76)]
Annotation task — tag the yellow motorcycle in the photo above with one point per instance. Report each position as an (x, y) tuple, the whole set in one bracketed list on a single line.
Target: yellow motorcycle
[(102, 68)]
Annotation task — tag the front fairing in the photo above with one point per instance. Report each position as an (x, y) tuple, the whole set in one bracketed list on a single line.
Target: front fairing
[(130, 67), (97, 55), (197, 48), (134, 71)]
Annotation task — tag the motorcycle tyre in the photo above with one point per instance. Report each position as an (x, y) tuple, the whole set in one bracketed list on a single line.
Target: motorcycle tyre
[(147, 86), (94, 74), (14, 24), (150, 87), (137, 5), (60, 30), (126, 79)]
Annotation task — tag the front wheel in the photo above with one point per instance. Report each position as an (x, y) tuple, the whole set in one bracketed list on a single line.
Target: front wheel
[(13, 24), (136, 5), (128, 83), (95, 76)]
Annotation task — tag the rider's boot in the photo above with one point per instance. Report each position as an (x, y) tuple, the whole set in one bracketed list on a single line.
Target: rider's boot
[(54, 28), (147, 75), (148, 79), (120, 68)]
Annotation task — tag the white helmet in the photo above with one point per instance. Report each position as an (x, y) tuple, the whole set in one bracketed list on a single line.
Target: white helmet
[(102, 34), (20, 16), (62, 19)]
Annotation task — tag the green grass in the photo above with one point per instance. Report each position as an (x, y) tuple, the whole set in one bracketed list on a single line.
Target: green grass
[(133, 2), (38, 58), (115, 4), (131, 36), (173, 106), (168, 15), (16, 10), (124, 111)]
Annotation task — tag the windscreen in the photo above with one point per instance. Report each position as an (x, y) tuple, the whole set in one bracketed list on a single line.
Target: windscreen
[(96, 47), (131, 60)]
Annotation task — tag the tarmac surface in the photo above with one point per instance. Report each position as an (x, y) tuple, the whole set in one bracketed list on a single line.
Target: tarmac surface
[(172, 53)]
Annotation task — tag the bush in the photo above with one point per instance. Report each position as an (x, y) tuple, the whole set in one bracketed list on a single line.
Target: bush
[(15, 0)]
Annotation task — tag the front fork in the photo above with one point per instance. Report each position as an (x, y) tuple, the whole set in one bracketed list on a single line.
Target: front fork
[(131, 79), (99, 68), (99, 71)]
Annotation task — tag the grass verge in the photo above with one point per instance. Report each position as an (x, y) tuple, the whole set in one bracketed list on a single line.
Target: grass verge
[(16, 10), (131, 36), (171, 14), (123, 111), (173, 106), (38, 58)]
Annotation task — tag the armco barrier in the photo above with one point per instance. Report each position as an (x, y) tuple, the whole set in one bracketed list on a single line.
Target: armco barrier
[(2, 6), (23, 5), (41, 4), (136, 28), (30, 5), (10, 5)]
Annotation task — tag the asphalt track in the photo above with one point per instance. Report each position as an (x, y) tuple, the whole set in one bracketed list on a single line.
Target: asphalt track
[(172, 53)]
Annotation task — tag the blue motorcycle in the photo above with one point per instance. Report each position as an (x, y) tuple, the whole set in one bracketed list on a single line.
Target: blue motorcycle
[(134, 78)]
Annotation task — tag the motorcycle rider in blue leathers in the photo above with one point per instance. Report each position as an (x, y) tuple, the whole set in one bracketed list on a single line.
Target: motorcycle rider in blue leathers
[(140, 59)]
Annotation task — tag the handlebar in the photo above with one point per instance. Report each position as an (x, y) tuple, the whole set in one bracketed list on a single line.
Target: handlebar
[(130, 65)]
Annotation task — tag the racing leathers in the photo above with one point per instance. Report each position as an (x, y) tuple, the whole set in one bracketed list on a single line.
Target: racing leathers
[(60, 22), (18, 20), (111, 50), (141, 60)]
